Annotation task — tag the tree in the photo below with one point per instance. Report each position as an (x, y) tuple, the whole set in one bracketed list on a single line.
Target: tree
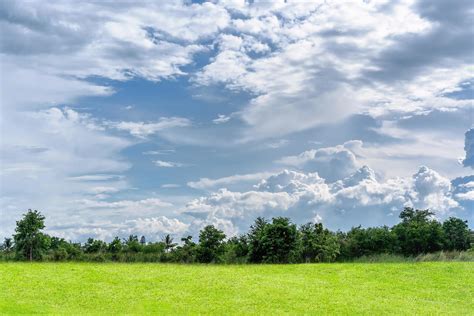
[(186, 253), (7, 245), (236, 250), (318, 244), (279, 241), (368, 241), (115, 246), (210, 244), (168, 241), (94, 246), (132, 244), (456, 234), (30, 242), (254, 240), (418, 233), (142, 241)]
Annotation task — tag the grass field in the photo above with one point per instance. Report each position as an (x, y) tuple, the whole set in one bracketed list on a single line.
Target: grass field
[(378, 288)]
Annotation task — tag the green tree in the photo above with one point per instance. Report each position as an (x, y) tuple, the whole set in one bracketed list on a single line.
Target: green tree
[(368, 241), (94, 246), (169, 244), (456, 234), (115, 247), (279, 241), (186, 253), (30, 242), (132, 244), (210, 244), (318, 244), (7, 246), (236, 250), (254, 240), (418, 232)]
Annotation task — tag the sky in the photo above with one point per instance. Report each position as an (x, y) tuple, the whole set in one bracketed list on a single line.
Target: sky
[(161, 117)]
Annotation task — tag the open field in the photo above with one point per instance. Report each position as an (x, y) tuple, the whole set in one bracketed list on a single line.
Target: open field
[(378, 288)]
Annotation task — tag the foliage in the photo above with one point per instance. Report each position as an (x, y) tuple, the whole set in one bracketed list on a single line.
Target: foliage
[(210, 244), (318, 244), (30, 242), (418, 237), (456, 234), (279, 241), (418, 232), (255, 238)]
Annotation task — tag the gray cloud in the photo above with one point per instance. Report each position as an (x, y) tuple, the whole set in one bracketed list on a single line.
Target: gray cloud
[(469, 148), (447, 42)]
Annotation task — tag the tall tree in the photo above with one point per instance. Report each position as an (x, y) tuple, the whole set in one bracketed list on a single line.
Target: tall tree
[(94, 245), (456, 234), (132, 244), (169, 244), (254, 239), (7, 245), (318, 244), (418, 232), (210, 244), (30, 242), (115, 246), (279, 240)]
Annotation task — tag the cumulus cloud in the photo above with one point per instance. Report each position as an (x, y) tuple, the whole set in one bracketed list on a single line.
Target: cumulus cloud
[(359, 199), (332, 163)]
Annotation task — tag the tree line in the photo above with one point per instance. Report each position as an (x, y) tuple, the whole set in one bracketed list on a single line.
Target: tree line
[(275, 241)]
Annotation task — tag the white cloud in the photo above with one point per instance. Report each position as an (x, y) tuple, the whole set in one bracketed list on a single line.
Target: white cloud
[(159, 152), (358, 199), (126, 205), (168, 164), (143, 129), (221, 119), (153, 228), (170, 185), (332, 163), (330, 60), (206, 183), (48, 166), (156, 226), (466, 196)]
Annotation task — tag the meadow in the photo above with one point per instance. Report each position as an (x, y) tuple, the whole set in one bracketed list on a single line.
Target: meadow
[(336, 288)]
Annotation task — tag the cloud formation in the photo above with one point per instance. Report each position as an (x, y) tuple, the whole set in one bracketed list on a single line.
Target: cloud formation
[(469, 149), (356, 200), (332, 163)]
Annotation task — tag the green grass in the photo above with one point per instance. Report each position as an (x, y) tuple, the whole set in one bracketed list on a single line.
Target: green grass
[(350, 288)]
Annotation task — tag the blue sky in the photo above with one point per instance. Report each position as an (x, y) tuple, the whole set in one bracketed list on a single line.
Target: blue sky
[(162, 117)]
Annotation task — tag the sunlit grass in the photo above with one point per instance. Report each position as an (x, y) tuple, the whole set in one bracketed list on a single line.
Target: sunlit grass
[(350, 288)]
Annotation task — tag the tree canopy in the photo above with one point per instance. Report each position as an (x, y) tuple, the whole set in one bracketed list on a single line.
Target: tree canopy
[(276, 241)]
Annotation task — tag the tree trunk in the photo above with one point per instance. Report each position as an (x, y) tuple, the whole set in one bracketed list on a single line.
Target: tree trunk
[(31, 253)]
